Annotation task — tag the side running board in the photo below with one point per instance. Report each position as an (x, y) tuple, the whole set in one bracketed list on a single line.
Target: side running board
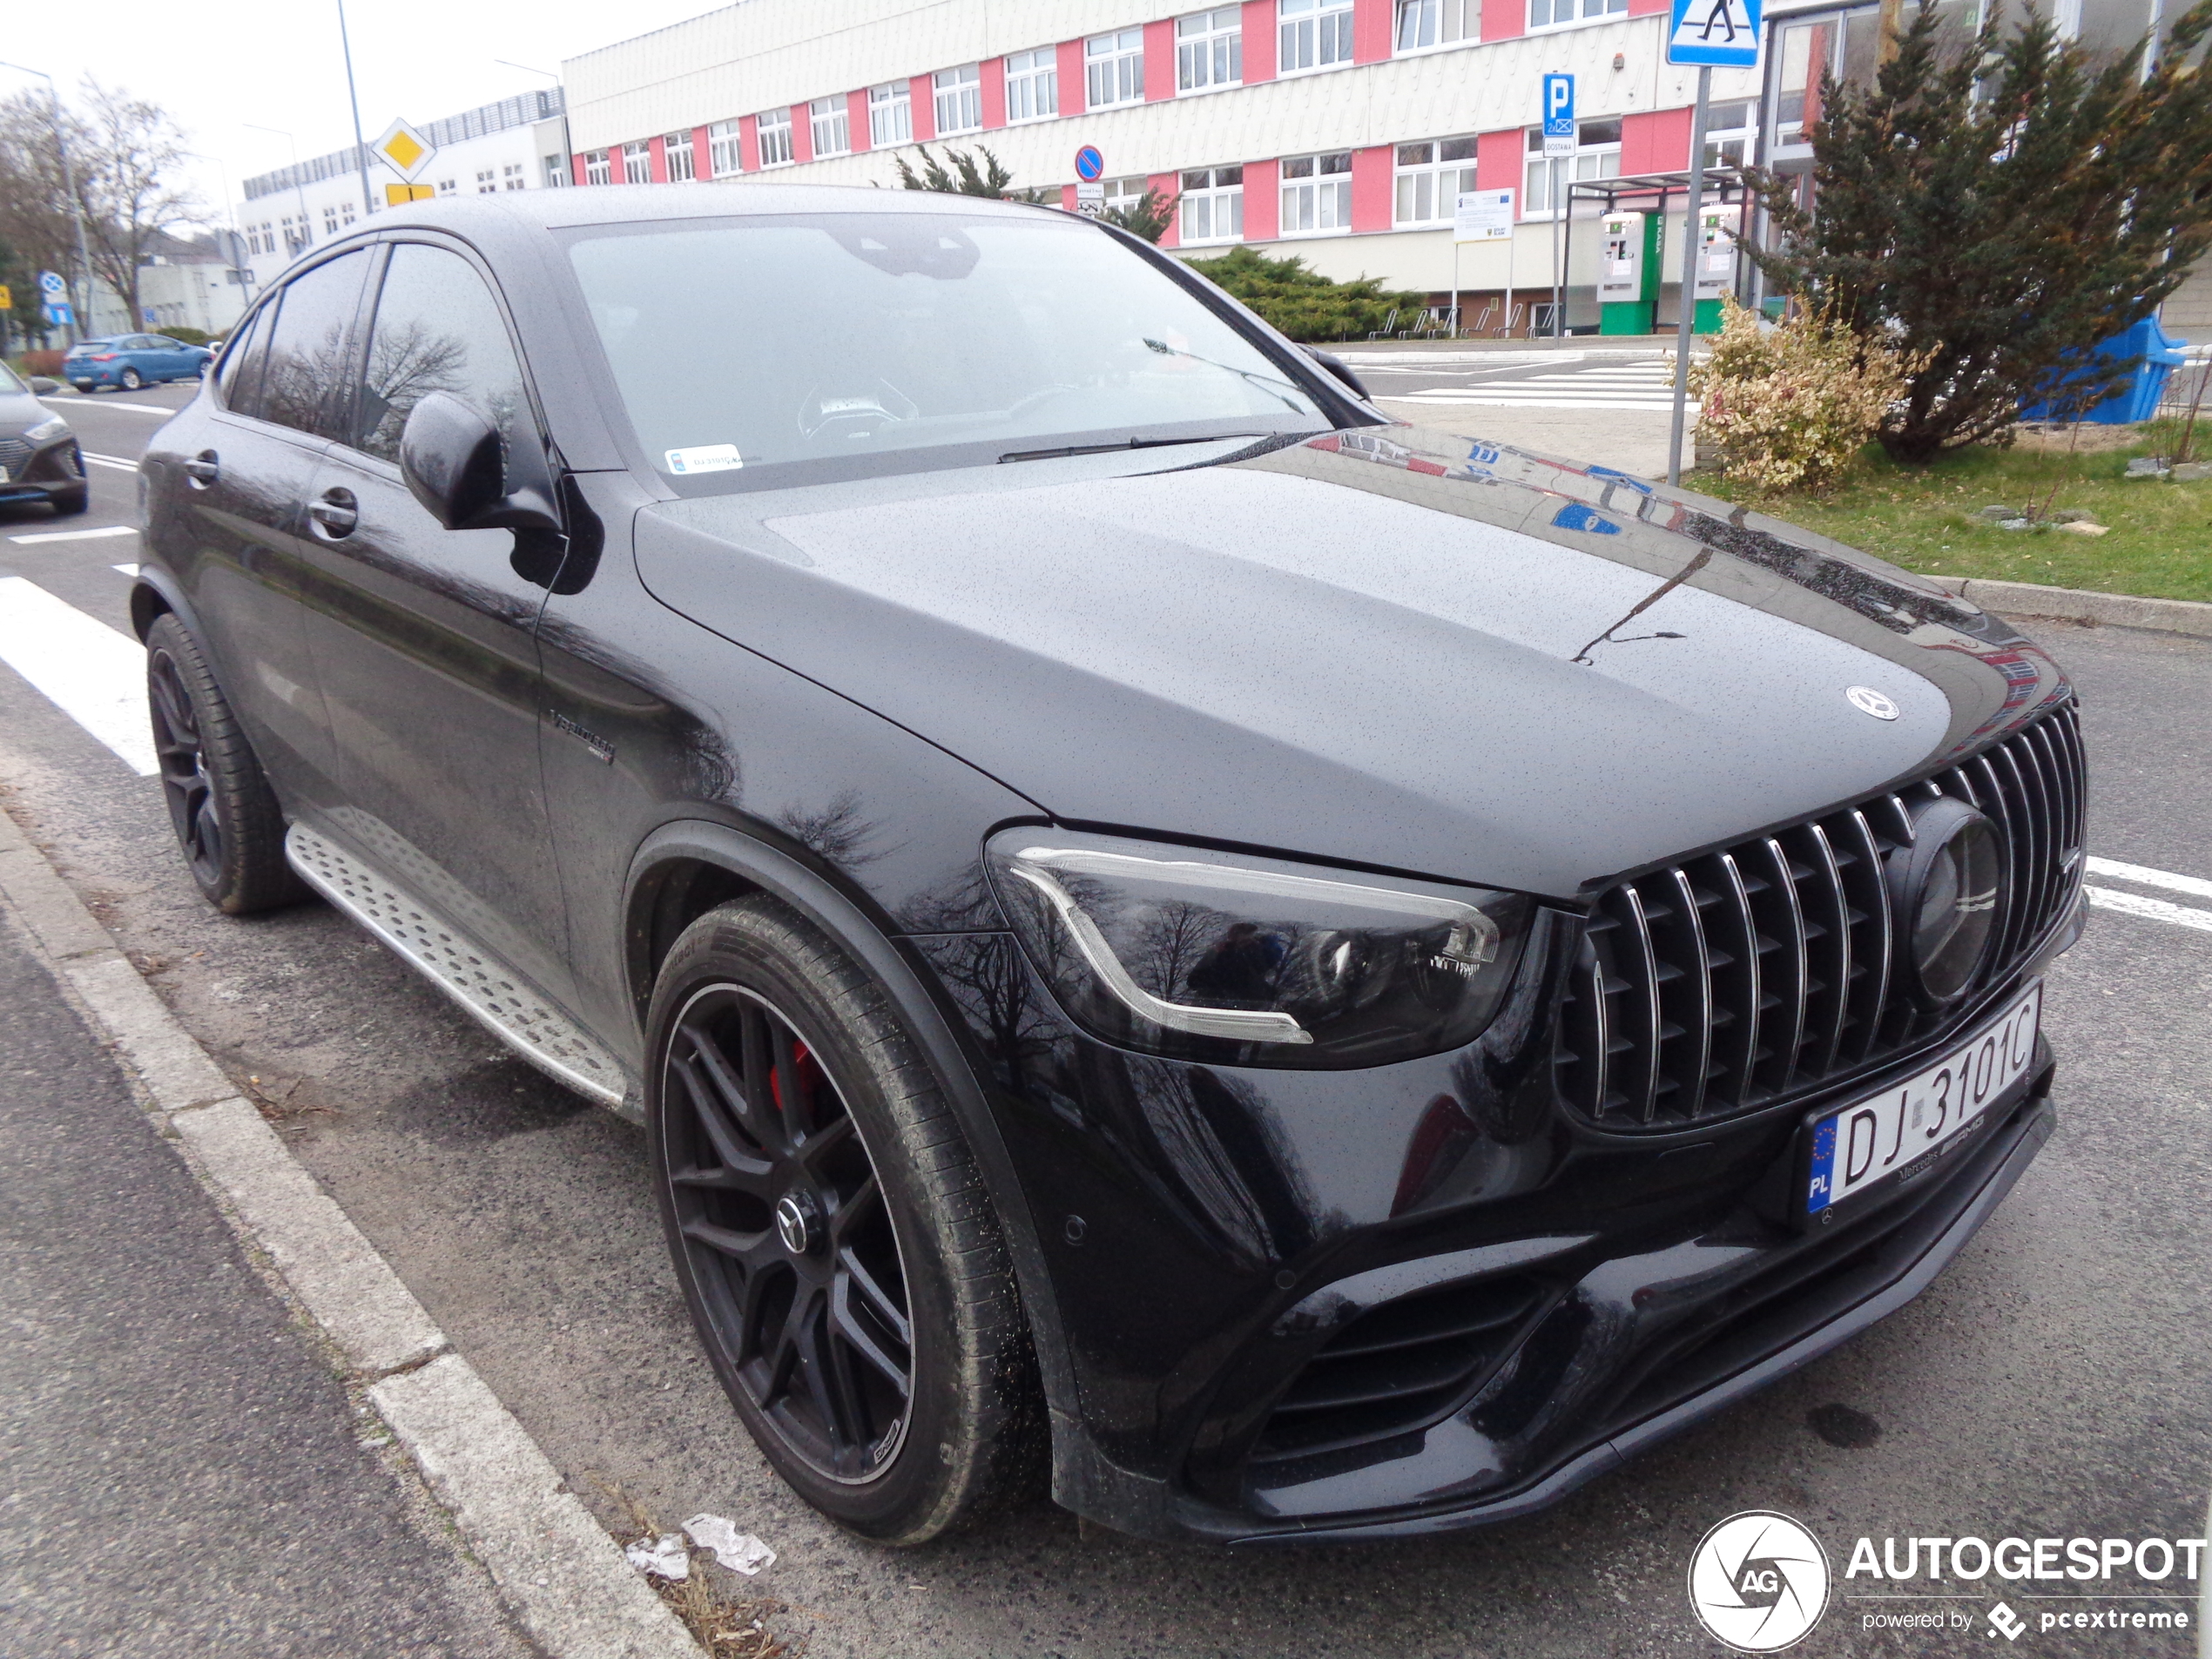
[(501, 999)]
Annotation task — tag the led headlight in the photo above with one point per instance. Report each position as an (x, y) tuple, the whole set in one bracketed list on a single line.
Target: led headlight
[(45, 429), (1253, 961)]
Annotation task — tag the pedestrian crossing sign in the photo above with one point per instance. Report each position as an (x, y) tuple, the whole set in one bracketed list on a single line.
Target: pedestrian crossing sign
[(1718, 34)]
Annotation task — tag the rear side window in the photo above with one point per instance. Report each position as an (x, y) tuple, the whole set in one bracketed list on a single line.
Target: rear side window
[(438, 329), (237, 377), (309, 380)]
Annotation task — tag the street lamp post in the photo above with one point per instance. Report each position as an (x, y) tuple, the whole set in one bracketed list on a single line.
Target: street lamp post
[(361, 148), (299, 190), (76, 206)]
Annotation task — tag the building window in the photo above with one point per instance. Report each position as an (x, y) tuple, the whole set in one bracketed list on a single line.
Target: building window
[(637, 163), (1317, 193), (725, 149), (830, 125), (557, 172), (1032, 85), (330, 221), (599, 168), (1210, 49), (890, 115), (775, 139), (1729, 129), (488, 182), (512, 177), (1317, 34), (1597, 155), (1437, 22), (1550, 13), (449, 187), (1114, 68), (960, 100), (1211, 206), (1430, 179)]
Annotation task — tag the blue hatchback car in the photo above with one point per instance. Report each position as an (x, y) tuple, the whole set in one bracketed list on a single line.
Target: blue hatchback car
[(132, 361)]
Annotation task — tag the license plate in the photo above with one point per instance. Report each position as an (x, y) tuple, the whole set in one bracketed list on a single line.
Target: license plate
[(1883, 1142)]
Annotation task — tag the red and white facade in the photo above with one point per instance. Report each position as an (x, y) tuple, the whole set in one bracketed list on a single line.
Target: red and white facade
[(1338, 129)]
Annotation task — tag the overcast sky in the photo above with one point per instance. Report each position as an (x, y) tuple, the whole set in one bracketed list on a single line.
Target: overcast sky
[(219, 64)]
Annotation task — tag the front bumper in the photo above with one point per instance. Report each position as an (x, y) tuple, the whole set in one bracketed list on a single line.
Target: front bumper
[(48, 470), (1211, 1232)]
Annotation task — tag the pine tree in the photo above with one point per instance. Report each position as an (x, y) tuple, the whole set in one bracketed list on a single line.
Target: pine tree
[(2003, 206)]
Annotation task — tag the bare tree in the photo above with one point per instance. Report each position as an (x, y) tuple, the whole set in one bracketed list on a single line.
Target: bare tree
[(35, 218)]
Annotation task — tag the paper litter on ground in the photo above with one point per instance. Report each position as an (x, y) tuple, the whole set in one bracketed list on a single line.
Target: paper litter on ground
[(738, 1551), (665, 1556)]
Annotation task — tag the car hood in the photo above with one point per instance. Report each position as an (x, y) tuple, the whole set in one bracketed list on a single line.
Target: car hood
[(19, 411), (1387, 647)]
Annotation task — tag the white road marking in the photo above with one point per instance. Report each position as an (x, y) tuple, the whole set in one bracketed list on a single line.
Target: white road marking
[(2130, 904), (75, 535), (92, 673), (109, 403), (117, 462), (2195, 885)]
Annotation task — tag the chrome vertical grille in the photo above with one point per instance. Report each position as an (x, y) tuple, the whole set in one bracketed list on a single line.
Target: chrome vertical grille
[(1769, 967)]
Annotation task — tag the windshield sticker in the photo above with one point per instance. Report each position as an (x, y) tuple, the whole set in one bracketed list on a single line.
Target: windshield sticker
[(706, 457)]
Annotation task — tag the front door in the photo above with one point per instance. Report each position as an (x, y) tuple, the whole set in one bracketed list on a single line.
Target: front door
[(423, 636)]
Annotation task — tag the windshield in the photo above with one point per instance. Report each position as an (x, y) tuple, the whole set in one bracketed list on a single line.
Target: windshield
[(867, 342), (8, 380)]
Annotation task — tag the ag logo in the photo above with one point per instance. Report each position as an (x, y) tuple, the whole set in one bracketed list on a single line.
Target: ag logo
[(1758, 1581)]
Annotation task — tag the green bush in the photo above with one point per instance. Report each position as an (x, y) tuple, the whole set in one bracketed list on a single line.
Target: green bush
[(1304, 304), (187, 336)]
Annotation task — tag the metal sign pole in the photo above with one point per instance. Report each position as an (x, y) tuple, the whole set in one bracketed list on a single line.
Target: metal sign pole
[(1686, 305), (1559, 268)]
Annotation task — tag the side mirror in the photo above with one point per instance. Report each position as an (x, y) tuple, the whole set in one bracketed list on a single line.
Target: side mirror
[(1342, 370), (456, 465), (40, 384)]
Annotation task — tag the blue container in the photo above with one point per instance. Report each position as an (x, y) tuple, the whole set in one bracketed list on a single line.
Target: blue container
[(2154, 353)]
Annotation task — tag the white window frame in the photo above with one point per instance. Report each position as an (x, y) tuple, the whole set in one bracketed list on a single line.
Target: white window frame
[(1594, 157), (891, 114), (1742, 133), (1580, 14), (487, 182), (1032, 85), (829, 126), (637, 162), (956, 99), (1209, 209), (558, 171), (725, 149), (1208, 50), (1312, 36), (1318, 201), (1430, 175), (598, 167), (773, 127), (680, 157), (1434, 25), (514, 176), (1115, 64)]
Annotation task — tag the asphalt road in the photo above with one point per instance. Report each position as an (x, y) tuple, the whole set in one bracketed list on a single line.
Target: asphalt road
[(2052, 1382)]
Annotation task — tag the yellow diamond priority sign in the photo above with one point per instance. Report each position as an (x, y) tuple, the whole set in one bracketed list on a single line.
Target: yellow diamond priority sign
[(404, 150)]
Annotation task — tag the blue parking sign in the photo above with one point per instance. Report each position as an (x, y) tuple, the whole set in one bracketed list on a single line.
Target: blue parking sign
[(1718, 34), (1559, 115)]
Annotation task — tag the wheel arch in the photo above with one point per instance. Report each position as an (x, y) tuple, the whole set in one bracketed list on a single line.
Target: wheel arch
[(686, 868), (154, 593)]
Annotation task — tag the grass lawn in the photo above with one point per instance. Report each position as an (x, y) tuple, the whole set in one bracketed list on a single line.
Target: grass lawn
[(1922, 518)]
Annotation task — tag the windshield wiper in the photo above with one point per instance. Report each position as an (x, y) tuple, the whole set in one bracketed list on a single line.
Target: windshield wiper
[(1126, 443), (1265, 382)]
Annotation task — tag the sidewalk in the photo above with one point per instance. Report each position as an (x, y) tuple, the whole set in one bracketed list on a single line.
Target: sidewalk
[(186, 1477)]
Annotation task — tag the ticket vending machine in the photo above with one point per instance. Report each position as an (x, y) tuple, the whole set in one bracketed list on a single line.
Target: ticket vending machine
[(1628, 273), (1717, 225)]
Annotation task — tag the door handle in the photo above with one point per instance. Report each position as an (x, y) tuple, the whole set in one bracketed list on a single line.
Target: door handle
[(335, 512), (202, 470)]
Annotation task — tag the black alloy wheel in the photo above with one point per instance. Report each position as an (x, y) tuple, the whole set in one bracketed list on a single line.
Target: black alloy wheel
[(789, 1235), (229, 825), (839, 1252)]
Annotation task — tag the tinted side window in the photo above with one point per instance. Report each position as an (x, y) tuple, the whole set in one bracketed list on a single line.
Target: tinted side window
[(309, 380), (437, 329), (239, 376)]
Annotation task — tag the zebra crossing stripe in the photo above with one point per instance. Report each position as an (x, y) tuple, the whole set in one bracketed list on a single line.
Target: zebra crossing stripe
[(87, 670)]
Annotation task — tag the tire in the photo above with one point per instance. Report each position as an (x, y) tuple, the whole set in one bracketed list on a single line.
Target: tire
[(805, 1238), (228, 824), (130, 379), (67, 503), (86, 388)]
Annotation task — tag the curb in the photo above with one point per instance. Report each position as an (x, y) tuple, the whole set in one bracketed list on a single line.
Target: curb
[(556, 1569), (2080, 605)]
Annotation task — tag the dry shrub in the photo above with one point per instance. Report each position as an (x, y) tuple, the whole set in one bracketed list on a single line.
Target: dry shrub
[(1790, 407)]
